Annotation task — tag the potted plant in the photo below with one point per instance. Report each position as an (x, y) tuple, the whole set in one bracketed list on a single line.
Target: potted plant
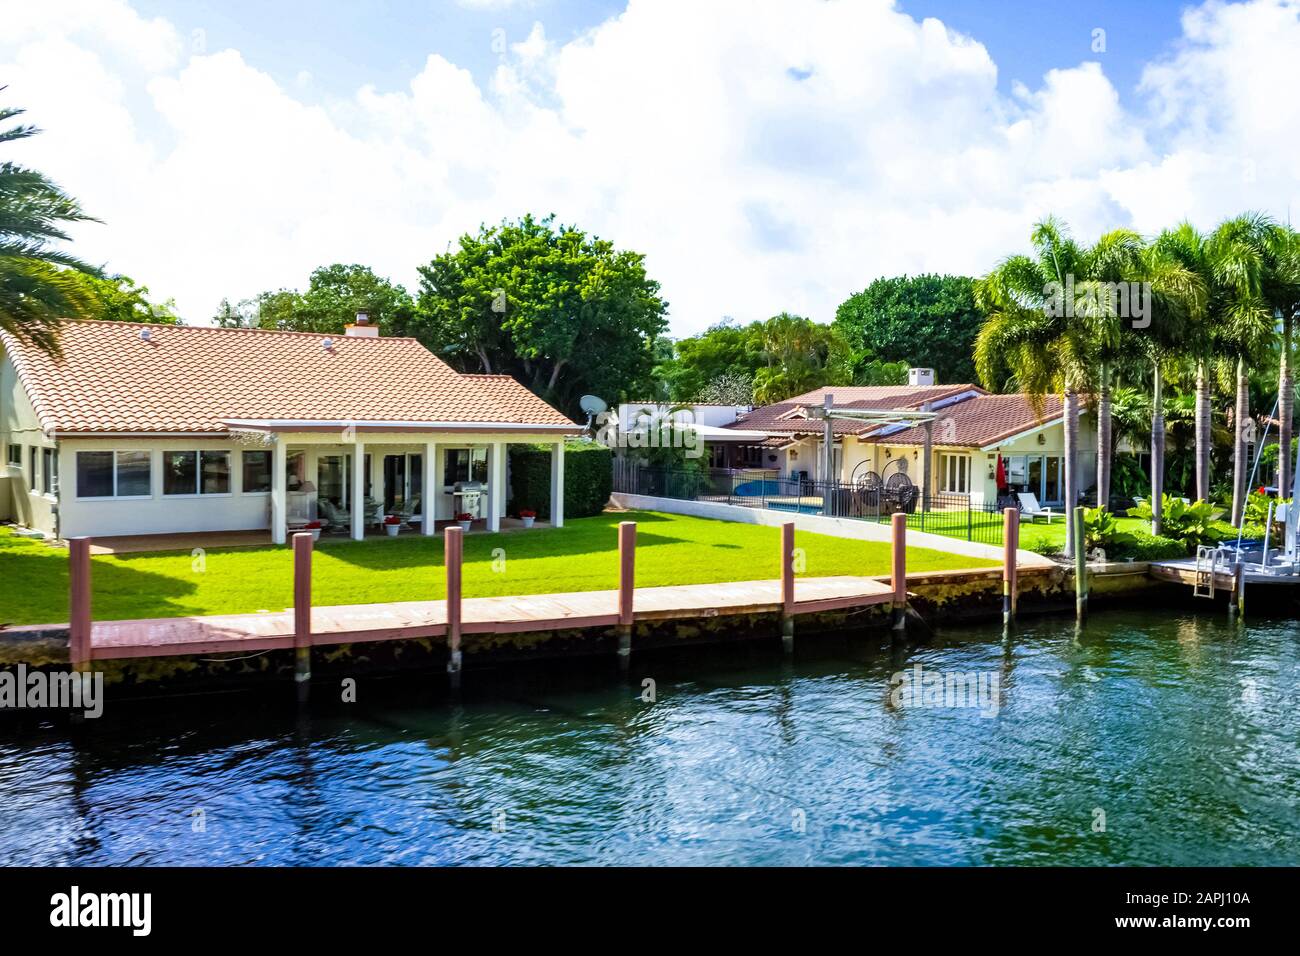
[(527, 517), (464, 519), (314, 527), (392, 524)]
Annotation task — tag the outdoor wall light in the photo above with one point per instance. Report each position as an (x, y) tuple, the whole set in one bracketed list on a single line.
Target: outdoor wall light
[(1042, 439)]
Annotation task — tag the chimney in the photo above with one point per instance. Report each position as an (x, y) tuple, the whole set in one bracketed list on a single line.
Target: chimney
[(920, 377), (362, 328)]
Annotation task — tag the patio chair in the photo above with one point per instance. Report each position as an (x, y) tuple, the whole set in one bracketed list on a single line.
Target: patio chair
[(1031, 510), (332, 515)]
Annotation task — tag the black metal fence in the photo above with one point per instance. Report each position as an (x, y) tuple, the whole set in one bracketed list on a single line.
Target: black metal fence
[(937, 513)]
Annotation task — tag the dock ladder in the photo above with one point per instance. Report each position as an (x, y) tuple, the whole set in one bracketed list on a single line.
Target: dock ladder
[(1209, 559)]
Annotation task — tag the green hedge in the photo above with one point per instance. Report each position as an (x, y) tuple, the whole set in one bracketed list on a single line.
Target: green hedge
[(588, 474)]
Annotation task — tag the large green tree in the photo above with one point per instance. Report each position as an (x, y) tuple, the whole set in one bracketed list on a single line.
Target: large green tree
[(119, 299), (564, 312), (334, 295), (40, 283), (924, 320)]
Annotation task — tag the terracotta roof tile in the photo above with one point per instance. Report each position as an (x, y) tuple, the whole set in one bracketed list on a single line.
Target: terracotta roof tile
[(980, 421), (785, 416), (190, 378)]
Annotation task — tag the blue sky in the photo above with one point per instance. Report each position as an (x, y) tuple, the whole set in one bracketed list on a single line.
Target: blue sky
[(346, 45), (765, 155)]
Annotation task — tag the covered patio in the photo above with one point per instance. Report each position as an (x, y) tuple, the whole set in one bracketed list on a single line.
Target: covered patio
[(349, 477)]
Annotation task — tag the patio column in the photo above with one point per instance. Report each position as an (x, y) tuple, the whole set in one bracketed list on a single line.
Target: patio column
[(496, 485), (557, 485), (430, 487), (279, 493), (358, 490)]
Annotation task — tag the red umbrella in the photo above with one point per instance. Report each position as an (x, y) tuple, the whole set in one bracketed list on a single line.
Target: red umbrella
[(1002, 473)]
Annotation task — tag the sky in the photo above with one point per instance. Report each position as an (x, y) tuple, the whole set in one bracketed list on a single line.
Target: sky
[(765, 155)]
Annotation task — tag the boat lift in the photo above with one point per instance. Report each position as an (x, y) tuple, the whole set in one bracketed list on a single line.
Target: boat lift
[(1248, 564)]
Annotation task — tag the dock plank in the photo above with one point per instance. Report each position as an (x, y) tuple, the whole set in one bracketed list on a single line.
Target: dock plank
[(406, 620)]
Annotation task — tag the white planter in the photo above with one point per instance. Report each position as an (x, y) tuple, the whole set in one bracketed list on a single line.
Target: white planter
[(464, 525), (315, 533), (528, 522), (392, 529)]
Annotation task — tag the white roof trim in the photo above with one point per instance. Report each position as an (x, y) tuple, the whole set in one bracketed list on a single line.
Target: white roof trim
[(292, 424), (1021, 434)]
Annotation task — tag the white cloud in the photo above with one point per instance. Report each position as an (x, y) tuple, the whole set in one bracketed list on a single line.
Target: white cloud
[(766, 157)]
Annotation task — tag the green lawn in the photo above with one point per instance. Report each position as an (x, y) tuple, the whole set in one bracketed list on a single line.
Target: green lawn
[(582, 556)]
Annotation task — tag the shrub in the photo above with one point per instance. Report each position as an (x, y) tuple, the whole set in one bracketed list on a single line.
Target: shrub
[(1190, 524), (588, 478), (1142, 546)]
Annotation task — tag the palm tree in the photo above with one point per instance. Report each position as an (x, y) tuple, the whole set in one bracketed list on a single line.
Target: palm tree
[(39, 285), (1177, 303), (1282, 293), (1246, 325), (1026, 336), (1115, 258)]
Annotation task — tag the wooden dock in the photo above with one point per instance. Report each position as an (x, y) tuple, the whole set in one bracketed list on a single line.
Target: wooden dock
[(350, 624), (304, 626)]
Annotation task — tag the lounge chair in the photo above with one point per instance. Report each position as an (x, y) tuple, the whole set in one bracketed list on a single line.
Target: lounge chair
[(333, 516), (1031, 510)]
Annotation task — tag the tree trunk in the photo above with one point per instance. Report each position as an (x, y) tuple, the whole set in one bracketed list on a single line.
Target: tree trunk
[(1071, 467), (1285, 409), (1202, 432), (1241, 456), (1157, 451), (1103, 439), (555, 375)]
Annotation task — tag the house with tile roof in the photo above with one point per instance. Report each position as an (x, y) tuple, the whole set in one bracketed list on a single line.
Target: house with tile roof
[(973, 434), (153, 429)]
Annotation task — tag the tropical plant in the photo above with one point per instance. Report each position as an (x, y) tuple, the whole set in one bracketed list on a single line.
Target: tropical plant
[(39, 284), (1099, 528), (1193, 524)]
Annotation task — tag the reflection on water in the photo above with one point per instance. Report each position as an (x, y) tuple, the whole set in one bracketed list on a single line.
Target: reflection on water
[(1180, 732)]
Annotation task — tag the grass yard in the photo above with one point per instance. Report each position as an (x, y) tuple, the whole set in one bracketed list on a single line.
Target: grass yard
[(582, 556)]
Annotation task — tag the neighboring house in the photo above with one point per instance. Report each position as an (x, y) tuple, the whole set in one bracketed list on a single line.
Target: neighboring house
[(140, 429), (971, 431), (710, 428)]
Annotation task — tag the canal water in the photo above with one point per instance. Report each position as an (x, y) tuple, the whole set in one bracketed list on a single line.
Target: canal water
[(1152, 737)]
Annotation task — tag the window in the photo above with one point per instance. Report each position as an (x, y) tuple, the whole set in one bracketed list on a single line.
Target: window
[(16, 455), (464, 464), (31, 467), (196, 473), (108, 474), (954, 472), (257, 471), (49, 471)]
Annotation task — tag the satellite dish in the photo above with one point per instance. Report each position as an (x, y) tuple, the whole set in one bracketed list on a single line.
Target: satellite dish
[(593, 405)]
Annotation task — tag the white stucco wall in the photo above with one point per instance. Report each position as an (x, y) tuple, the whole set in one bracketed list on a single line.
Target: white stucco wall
[(19, 426), (237, 510)]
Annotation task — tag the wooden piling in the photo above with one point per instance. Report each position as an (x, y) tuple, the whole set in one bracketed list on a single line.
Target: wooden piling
[(898, 579), (787, 586), (1080, 567), (626, 590), (79, 603), (302, 551), (1010, 544), (1240, 583), (453, 553)]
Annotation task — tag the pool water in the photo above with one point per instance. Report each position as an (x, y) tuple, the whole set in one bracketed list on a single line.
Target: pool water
[(1152, 737)]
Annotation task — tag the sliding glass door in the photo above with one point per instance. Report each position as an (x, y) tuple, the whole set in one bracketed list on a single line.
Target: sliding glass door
[(402, 478), (1039, 475)]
